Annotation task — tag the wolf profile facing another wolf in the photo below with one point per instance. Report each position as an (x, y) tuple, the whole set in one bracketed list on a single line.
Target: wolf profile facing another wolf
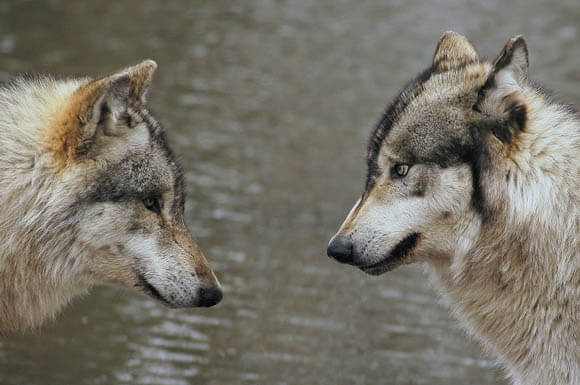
[(475, 171), (91, 194)]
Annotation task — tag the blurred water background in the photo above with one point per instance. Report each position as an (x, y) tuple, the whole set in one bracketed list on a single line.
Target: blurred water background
[(269, 104)]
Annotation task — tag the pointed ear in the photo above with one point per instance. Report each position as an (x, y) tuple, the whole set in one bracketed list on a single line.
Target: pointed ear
[(117, 90), (141, 76), (501, 97), (510, 68), (453, 51), (91, 111), (101, 103), (97, 109)]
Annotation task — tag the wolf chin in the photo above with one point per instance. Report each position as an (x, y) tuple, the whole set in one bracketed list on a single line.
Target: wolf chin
[(90, 194), (475, 171)]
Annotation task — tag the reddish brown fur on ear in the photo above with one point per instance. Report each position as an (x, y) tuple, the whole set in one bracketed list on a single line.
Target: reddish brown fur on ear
[(453, 50), (98, 103), (69, 134)]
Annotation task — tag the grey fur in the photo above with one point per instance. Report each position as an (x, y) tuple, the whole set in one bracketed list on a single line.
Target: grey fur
[(493, 194), (91, 194)]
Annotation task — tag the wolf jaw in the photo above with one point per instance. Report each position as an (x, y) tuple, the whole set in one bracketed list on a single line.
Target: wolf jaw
[(91, 194), (493, 189), (394, 258)]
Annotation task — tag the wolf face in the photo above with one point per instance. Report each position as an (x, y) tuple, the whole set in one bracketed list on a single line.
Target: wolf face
[(423, 197), (131, 210), (92, 194)]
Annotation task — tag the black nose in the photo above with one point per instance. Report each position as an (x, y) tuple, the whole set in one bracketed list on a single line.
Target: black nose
[(340, 248), (209, 296)]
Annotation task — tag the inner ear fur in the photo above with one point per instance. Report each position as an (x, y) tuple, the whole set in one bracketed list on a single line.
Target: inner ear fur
[(453, 51), (113, 93), (501, 100), (141, 76)]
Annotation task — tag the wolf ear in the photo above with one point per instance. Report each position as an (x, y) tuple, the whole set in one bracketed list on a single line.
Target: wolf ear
[(510, 68), (501, 98), (96, 108), (101, 103), (453, 50), (107, 98), (141, 76)]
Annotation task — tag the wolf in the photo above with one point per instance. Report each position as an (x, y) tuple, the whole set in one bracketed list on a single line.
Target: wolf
[(91, 194), (474, 170)]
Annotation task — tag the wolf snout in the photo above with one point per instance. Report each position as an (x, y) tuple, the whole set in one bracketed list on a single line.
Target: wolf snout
[(341, 249), (209, 296)]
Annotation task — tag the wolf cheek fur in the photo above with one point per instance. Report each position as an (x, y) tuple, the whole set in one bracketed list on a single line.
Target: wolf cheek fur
[(498, 218), (91, 194)]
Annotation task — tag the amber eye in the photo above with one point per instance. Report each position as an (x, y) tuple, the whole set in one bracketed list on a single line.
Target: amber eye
[(400, 170), (152, 204)]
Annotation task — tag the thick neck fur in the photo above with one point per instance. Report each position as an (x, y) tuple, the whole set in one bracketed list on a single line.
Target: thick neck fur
[(37, 224), (515, 280)]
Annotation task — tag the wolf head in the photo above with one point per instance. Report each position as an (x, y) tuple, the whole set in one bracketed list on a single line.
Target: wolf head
[(123, 193), (423, 199)]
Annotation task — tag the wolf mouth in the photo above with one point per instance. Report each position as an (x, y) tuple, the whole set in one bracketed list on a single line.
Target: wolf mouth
[(393, 259), (152, 291)]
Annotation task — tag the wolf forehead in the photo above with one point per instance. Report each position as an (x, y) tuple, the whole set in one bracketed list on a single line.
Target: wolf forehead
[(140, 175), (143, 172), (426, 120)]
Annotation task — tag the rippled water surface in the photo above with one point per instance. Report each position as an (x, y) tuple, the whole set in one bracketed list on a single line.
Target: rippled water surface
[(268, 104)]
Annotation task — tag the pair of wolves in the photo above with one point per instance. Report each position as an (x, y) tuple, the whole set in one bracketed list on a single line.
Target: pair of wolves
[(473, 170)]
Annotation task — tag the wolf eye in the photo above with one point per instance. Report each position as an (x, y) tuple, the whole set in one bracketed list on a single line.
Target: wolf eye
[(400, 170), (152, 204)]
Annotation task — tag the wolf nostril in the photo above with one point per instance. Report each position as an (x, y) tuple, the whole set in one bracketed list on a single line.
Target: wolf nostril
[(209, 296), (340, 248)]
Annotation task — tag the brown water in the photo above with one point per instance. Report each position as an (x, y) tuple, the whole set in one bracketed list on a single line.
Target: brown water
[(269, 104)]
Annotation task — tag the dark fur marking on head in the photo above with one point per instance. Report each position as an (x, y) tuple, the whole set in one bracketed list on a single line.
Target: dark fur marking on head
[(479, 160), (128, 119), (134, 177), (159, 136), (508, 128), (469, 150), (457, 67), (130, 179), (451, 153), (104, 113), (411, 90), (405, 246), (518, 117)]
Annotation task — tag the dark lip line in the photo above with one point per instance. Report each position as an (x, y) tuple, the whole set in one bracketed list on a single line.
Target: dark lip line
[(152, 290), (400, 251)]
